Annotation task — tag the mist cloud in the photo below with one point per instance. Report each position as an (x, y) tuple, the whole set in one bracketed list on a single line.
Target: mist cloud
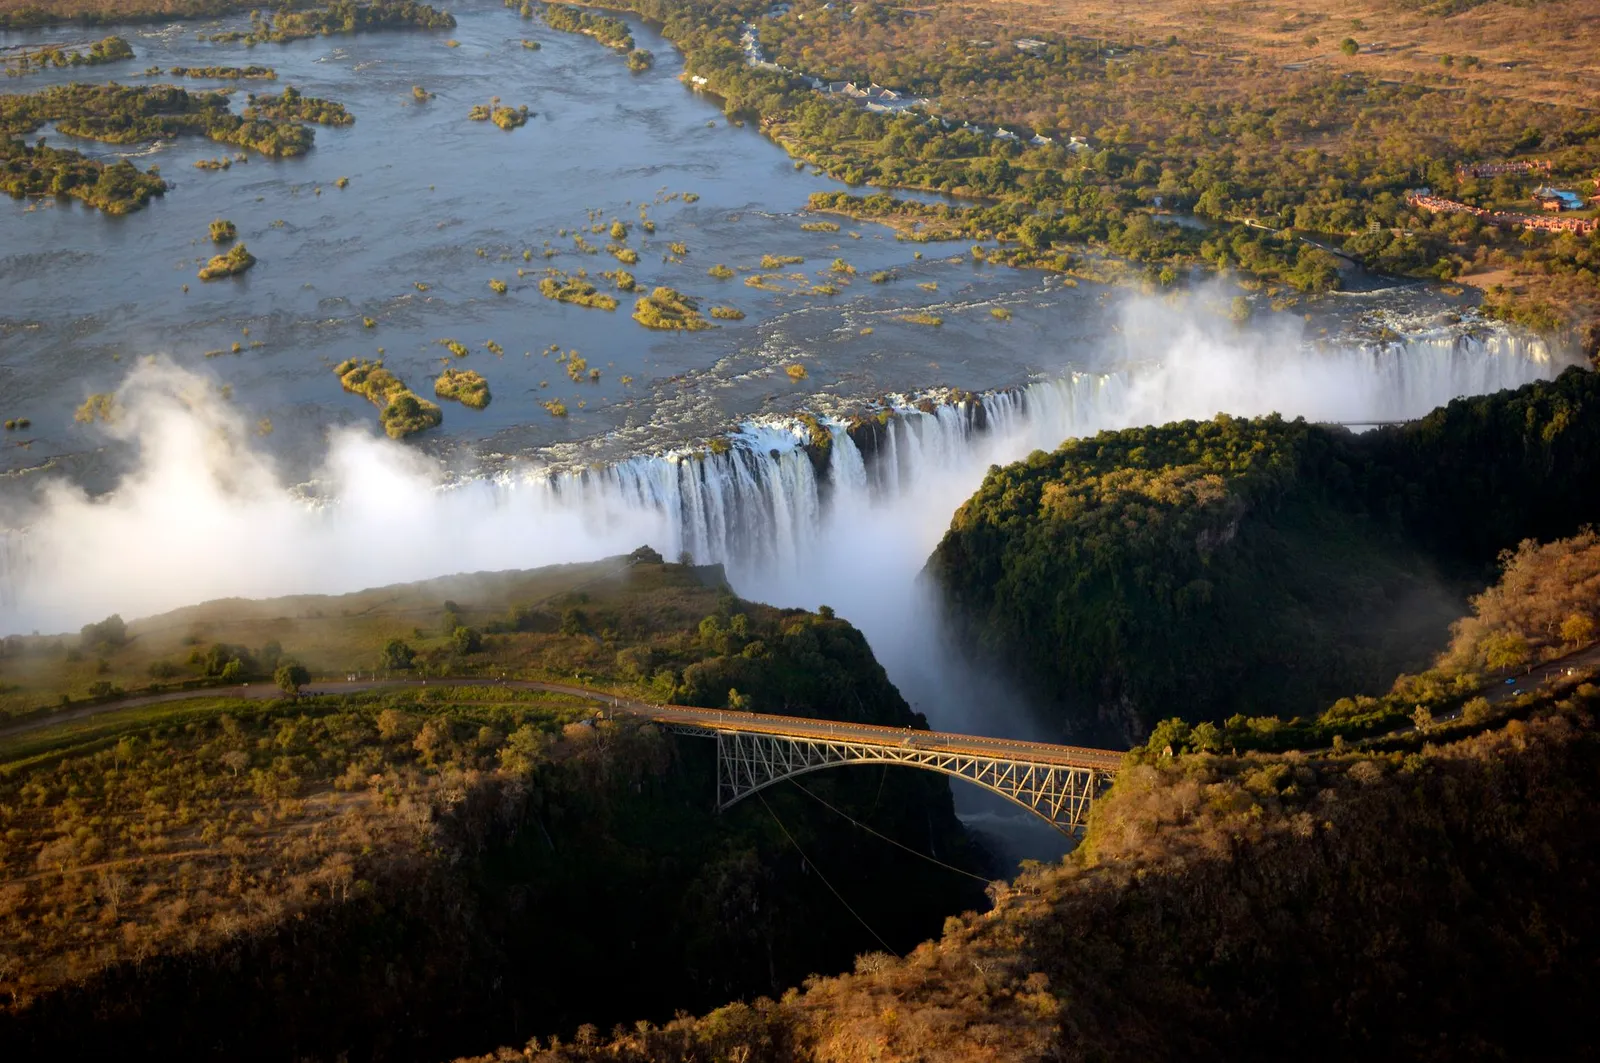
[(202, 512)]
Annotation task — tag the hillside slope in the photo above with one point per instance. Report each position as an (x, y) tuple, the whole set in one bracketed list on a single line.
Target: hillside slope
[(410, 874), (1206, 569), (1432, 903)]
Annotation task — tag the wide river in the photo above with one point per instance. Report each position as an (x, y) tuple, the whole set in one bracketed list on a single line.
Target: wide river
[(200, 487), (437, 200)]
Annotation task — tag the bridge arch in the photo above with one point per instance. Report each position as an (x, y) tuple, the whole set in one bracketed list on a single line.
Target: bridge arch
[(1058, 792)]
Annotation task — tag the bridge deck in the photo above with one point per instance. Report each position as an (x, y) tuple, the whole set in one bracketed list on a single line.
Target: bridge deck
[(675, 715), (872, 734)]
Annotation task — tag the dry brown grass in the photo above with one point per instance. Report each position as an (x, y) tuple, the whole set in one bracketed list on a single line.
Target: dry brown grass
[(1553, 48)]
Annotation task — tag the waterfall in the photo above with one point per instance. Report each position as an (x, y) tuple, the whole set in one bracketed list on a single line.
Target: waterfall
[(799, 513), (761, 505)]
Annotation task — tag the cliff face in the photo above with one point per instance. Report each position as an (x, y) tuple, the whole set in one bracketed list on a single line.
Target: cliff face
[(1431, 904), (1206, 569)]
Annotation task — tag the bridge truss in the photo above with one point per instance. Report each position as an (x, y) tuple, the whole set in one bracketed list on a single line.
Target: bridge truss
[(1058, 793)]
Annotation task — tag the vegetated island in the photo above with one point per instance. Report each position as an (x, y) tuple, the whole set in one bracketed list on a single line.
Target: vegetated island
[(402, 412), (666, 308), (339, 17), (465, 386), (396, 855), (40, 170), (225, 73), (106, 50), (127, 115), (507, 118), (223, 230), (608, 30), (230, 264), (575, 288), (291, 106)]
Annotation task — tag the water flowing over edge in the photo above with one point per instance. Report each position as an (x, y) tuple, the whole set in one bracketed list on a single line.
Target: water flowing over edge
[(758, 501), (799, 509)]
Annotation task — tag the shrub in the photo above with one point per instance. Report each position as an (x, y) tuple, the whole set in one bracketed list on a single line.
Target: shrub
[(464, 386), (234, 262), (401, 411), (574, 289), (665, 308)]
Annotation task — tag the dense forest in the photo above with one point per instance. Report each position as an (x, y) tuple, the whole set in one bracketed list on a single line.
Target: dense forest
[(424, 872), (1257, 566)]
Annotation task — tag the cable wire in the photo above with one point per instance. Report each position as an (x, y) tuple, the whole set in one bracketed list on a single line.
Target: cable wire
[(891, 841), (823, 877)]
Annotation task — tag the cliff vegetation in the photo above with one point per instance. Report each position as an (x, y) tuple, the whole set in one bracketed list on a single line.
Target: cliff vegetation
[(395, 857), (1256, 566)]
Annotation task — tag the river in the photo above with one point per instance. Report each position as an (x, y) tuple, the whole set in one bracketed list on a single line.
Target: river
[(252, 473)]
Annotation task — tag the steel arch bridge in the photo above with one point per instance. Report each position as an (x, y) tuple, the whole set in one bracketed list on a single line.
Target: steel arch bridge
[(1056, 783)]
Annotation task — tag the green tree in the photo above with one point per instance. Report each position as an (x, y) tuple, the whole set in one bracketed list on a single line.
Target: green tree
[(1577, 630), (291, 676), (397, 655), (1349, 46), (466, 640), (109, 632), (1504, 651)]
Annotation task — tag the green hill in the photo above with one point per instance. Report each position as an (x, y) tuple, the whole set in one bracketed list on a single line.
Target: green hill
[(1203, 569)]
